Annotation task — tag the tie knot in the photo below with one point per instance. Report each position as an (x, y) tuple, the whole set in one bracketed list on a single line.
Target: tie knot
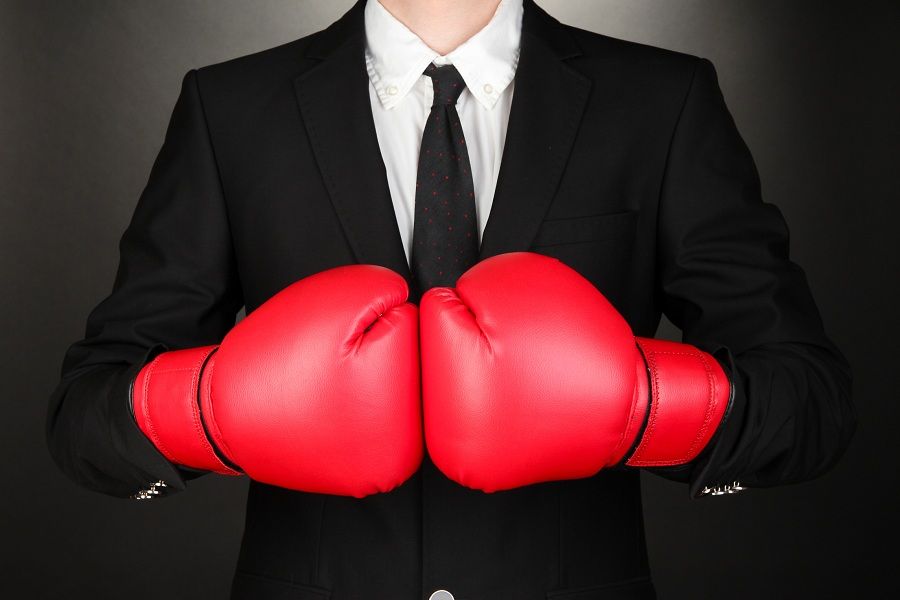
[(448, 83)]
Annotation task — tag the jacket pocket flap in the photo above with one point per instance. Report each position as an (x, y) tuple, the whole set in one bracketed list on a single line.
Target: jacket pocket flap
[(640, 588), (249, 586)]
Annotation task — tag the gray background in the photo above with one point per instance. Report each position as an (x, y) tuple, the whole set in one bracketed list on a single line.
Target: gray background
[(86, 89)]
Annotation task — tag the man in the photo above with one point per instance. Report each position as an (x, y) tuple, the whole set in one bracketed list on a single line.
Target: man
[(295, 182)]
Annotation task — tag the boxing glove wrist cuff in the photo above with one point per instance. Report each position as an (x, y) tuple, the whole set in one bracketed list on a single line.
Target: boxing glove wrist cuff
[(688, 397), (166, 396)]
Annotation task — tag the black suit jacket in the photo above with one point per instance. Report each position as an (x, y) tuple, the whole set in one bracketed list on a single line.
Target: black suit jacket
[(622, 160)]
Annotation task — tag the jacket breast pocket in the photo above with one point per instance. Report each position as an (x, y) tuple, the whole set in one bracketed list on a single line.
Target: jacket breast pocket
[(600, 247), (607, 227), (640, 588), (249, 586)]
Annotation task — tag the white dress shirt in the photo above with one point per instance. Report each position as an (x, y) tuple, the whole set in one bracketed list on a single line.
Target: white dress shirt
[(401, 98)]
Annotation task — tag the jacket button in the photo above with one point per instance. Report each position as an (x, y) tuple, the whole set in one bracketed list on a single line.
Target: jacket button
[(441, 595)]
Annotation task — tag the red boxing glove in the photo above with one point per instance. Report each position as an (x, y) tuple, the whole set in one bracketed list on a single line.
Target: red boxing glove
[(529, 374), (316, 390)]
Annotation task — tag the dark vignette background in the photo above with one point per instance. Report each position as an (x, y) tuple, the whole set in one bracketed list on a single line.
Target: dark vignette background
[(86, 89)]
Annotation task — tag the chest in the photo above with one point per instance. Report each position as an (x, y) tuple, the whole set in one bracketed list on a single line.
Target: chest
[(331, 186)]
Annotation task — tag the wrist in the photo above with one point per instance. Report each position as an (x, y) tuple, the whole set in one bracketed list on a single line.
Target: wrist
[(166, 398), (689, 393)]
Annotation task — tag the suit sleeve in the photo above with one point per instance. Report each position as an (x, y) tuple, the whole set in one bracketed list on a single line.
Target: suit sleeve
[(176, 287), (726, 279)]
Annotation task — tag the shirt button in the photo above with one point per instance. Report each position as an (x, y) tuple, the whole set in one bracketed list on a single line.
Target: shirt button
[(392, 89), (441, 595), (488, 88)]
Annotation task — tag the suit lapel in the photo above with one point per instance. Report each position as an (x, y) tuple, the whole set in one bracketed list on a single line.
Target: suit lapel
[(548, 102), (333, 97)]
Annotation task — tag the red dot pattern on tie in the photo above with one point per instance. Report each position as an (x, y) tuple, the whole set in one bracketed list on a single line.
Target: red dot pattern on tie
[(444, 243)]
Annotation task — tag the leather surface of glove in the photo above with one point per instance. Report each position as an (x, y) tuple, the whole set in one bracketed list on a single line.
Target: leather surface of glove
[(529, 375), (315, 390)]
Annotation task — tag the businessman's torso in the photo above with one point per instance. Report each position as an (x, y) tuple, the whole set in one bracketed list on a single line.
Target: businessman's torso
[(305, 189)]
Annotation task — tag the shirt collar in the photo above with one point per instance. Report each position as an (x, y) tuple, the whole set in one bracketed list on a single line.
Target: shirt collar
[(396, 57)]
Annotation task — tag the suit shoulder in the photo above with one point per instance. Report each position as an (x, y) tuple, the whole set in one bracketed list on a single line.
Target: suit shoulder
[(634, 56), (258, 69)]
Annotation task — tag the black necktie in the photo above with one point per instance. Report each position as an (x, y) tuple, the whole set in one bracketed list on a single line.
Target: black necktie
[(445, 234)]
